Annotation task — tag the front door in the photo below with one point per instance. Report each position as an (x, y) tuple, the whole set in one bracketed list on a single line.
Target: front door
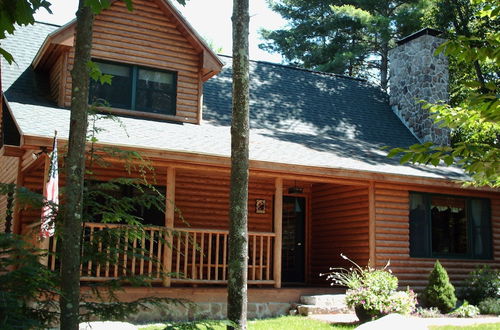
[(293, 252)]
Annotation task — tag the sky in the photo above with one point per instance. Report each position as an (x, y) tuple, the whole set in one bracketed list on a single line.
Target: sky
[(210, 18)]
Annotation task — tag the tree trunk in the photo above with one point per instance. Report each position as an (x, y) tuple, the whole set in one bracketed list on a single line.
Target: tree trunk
[(75, 170), (238, 231)]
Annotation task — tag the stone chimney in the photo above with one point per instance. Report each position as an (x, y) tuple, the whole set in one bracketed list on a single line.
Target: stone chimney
[(417, 74)]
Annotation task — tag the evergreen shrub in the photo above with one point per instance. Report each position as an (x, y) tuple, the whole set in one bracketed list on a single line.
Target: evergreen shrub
[(482, 283), (490, 306), (440, 292)]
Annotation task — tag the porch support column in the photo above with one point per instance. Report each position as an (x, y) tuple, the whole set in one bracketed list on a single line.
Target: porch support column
[(44, 242), (278, 217), (371, 223), (169, 224)]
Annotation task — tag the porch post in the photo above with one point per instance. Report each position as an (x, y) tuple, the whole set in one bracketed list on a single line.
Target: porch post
[(169, 223), (371, 224), (44, 242), (278, 215)]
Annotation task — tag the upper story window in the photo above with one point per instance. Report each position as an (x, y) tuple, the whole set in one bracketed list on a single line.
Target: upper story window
[(449, 226), (136, 88)]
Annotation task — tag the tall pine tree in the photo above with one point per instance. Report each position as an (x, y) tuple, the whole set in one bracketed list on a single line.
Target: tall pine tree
[(238, 207), (351, 37)]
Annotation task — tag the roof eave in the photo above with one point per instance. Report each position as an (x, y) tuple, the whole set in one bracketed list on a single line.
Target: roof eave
[(63, 37)]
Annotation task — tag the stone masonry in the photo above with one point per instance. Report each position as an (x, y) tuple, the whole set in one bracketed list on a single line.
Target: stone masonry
[(417, 74)]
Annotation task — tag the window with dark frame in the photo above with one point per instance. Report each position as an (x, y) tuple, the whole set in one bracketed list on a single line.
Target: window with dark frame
[(449, 227), (136, 88)]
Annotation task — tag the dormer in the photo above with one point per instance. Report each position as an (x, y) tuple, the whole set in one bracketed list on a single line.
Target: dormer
[(158, 61)]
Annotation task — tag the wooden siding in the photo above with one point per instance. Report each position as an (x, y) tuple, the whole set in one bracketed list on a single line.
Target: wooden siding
[(203, 200), (8, 174), (339, 225), (146, 37), (392, 235), (55, 77)]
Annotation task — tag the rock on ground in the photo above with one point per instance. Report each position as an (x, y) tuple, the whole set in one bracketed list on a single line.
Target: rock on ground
[(395, 321)]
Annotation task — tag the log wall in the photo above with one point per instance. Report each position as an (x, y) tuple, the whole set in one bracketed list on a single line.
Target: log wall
[(8, 174), (392, 235), (203, 200), (339, 225), (55, 77), (146, 37)]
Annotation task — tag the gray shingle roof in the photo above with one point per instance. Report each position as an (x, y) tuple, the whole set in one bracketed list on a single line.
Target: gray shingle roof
[(297, 116)]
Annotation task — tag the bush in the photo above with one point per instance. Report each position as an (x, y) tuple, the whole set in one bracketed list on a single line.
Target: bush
[(23, 280), (440, 292), (482, 283), (466, 310), (490, 306), (372, 292), (428, 312)]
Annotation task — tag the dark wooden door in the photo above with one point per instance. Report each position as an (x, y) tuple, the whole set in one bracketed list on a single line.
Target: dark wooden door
[(293, 252)]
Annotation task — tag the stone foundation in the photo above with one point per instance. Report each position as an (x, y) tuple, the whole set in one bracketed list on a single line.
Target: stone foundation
[(203, 311)]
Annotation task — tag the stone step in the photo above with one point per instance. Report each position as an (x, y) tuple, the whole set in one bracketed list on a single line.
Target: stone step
[(306, 310), (324, 300), (323, 304)]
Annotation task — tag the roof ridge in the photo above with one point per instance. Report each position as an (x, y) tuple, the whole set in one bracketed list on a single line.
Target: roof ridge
[(46, 23), (287, 66)]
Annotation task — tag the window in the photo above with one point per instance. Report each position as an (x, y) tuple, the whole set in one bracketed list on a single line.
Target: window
[(449, 226), (136, 88)]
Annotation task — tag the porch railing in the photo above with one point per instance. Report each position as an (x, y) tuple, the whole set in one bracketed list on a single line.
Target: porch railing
[(198, 256)]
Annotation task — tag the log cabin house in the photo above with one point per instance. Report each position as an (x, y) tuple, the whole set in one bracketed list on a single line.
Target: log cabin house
[(320, 184)]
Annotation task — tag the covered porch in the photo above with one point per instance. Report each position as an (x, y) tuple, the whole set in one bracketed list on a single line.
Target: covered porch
[(298, 226)]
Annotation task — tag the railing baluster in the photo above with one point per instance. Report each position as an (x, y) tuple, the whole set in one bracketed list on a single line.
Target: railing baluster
[(217, 256), (134, 251), (143, 252), (125, 249), (193, 258), (224, 258), (158, 263), (117, 255), (268, 259), (254, 255), (106, 271), (209, 264), (261, 256), (99, 251), (89, 265), (202, 247), (151, 255), (178, 261), (186, 257)]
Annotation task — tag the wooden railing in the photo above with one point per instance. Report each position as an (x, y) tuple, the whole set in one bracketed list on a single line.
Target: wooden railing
[(199, 256)]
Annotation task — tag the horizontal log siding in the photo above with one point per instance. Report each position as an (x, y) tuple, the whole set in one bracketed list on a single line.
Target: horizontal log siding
[(392, 236), (146, 37), (203, 200), (8, 174), (339, 225), (55, 76)]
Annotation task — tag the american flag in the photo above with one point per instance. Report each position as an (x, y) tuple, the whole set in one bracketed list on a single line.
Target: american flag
[(51, 195)]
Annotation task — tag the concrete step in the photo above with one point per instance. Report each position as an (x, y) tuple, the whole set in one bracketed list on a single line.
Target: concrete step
[(324, 300), (323, 304)]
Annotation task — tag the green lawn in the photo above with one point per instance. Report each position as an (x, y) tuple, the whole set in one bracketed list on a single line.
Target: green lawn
[(486, 326), (283, 322)]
